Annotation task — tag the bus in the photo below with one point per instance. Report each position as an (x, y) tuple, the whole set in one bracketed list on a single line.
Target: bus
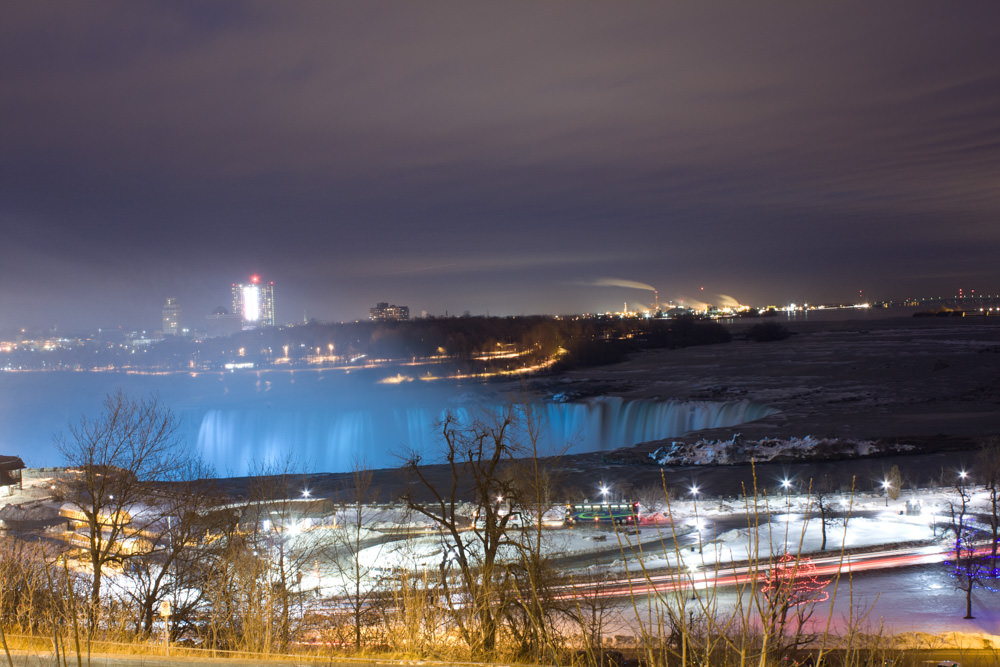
[(617, 514)]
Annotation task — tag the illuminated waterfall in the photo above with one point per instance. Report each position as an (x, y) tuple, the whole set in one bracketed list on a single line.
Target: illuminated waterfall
[(236, 440), (331, 421)]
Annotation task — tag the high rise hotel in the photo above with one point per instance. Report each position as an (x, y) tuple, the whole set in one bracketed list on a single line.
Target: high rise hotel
[(171, 317), (253, 302)]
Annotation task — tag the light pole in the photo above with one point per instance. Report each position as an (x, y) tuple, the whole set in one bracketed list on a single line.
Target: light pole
[(605, 490), (697, 522), (786, 484), (887, 487)]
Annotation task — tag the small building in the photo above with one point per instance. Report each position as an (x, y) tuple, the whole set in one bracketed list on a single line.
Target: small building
[(384, 312), (10, 474), (130, 537)]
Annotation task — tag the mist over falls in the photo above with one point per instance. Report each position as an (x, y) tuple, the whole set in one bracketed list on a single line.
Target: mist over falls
[(380, 437), (326, 421)]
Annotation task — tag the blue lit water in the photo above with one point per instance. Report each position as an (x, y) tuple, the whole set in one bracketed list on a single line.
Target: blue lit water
[(326, 421)]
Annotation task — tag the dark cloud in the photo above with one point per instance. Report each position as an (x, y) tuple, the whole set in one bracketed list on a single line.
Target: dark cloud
[(490, 157)]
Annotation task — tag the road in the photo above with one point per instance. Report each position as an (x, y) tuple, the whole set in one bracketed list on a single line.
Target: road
[(651, 582)]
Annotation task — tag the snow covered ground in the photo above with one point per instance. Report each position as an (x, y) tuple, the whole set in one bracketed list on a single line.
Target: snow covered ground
[(737, 449), (920, 599), (912, 600)]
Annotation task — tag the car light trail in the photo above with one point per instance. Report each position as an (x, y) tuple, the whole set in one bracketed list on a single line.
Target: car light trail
[(750, 575)]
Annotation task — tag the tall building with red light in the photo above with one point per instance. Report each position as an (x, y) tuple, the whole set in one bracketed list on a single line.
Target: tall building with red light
[(253, 302)]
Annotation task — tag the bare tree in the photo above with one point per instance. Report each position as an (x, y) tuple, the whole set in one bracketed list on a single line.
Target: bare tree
[(237, 608), (350, 538), (26, 601), (29, 604), (791, 590), (988, 469), (592, 613), (476, 584), (652, 497), (269, 560), (970, 568), (824, 491), (197, 541), (115, 456), (529, 616), (412, 618), (230, 580), (165, 565)]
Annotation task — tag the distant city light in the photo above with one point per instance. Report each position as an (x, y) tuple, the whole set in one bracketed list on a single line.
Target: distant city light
[(251, 302)]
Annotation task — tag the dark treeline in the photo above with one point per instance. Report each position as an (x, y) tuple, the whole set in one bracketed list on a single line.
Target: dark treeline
[(606, 341), (475, 342)]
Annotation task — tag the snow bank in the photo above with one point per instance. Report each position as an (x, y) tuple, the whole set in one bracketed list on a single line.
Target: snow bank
[(739, 450)]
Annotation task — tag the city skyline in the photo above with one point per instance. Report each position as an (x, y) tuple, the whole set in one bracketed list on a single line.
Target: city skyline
[(225, 319), (507, 159)]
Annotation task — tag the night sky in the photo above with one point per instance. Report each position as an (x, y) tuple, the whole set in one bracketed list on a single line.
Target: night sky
[(502, 158)]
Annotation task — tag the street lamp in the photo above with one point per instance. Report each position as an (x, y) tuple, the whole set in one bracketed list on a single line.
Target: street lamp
[(697, 522), (786, 484), (886, 486)]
